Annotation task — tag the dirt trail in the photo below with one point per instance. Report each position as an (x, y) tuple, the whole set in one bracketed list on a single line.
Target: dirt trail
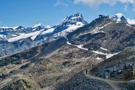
[(112, 83)]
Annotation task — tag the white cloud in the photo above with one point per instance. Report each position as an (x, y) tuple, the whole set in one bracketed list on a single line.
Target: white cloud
[(127, 1), (93, 2), (96, 3), (99, 2), (60, 3)]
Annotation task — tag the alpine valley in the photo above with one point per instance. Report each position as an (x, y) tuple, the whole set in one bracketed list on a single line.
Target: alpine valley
[(73, 55)]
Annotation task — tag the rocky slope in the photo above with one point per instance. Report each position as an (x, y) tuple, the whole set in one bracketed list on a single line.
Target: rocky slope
[(116, 73), (104, 36), (88, 58)]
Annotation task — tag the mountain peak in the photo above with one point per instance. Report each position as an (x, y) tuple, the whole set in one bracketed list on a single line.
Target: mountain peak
[(119, 14), (119, 17), (48, 26), (37, 25), (18, 27), (73, 19)]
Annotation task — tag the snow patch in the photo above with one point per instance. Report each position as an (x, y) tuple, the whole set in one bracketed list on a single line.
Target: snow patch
[(23, 36), (69, 43), (106, 54), (70, 28), (74, 18), (81, 47), (13, 28), (98, 52), (35, 35), (37, 25), (110, 55), (103, 48), (98, 58), (51, 30), (78, 46), (48, 26), (119, 15), (2, 36)]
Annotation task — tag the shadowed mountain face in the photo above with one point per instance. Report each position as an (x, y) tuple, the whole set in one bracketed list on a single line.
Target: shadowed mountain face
[(89, 57), (33, 53), (108, 34), (116, 73), (82, 82), (119, 67)]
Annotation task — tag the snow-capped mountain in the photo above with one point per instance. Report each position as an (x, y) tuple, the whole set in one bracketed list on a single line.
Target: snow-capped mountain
[(21, 38), (71, 23), (119, 17)]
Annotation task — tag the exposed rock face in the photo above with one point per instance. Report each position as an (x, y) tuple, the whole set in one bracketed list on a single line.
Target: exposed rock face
[(119, 67)]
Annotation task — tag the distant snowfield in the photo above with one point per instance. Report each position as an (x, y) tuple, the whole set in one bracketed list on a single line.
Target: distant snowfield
[(70, 28), (23, 36), (33, 35), (50, 30)]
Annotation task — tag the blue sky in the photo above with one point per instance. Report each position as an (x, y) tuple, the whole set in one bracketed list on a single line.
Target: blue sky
[(51, 12)]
